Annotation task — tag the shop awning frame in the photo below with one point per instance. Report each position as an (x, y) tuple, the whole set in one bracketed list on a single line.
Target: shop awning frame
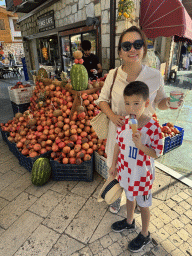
[(165, 18)]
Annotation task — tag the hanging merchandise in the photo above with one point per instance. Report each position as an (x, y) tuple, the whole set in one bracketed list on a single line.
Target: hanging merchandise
[(45, 53), (125, 8)]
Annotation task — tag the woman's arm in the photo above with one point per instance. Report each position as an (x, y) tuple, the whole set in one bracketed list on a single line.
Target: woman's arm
[(163, 104), (113, 170)]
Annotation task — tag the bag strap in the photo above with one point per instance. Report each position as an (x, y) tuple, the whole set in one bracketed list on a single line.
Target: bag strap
[(114, 77)]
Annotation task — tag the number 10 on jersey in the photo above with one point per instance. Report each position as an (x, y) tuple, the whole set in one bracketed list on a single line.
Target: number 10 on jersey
[(133, 152)]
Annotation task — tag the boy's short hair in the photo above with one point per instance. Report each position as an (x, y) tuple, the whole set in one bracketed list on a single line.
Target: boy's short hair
[(86, 45), (137, 88)]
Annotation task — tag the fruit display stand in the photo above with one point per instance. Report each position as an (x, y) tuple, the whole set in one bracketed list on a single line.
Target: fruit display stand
[(20, 95), (171, 143), (73, 172), (4, 135), (19, 107)]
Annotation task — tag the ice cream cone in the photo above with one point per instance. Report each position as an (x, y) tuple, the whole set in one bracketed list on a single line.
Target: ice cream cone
[(134, 128)]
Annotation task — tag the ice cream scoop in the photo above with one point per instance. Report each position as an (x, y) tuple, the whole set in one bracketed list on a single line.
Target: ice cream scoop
[(134, 124)]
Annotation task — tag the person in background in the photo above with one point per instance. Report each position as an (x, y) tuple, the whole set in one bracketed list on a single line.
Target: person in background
[(11, 59), (91, 61), (158, 62)]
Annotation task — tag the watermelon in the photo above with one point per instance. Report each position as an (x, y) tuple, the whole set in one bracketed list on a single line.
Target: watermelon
[(79, 77), (41, 171)]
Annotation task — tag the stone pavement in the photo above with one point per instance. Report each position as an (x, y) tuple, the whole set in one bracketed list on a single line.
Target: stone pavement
[(64, 217)]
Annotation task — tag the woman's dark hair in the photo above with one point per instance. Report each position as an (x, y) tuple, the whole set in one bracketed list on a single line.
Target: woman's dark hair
[(86, 45), (137, 88), (138, 30)]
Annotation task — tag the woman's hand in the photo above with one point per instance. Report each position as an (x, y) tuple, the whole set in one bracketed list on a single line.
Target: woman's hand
[(179, 103), (137, 139), (118, 120), (113, 171)]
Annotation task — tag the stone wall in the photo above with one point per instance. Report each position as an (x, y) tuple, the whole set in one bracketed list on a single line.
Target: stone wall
[(70, 11)]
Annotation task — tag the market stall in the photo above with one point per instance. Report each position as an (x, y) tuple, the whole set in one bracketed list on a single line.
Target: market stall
[(55, 128)]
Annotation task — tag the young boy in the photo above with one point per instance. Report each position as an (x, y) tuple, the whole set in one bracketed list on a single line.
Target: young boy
[(134, 155)]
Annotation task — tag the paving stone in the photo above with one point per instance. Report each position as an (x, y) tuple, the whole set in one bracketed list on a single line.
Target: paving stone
[(160, 186), (189, 200), (7, 179), (19, 169), (176, 240), (170, 203), (188, 228), (104, 226), (9, 165), (177, 223), (46, 203), (86, 221), (179, 209), (123, 242), (85, 189), (177, 198), (152, 228), (16, 235), (15, 188), (16, 208), (3, 202), (115, 236), (115, 249), (158, 250), (85, 251), (38, 191), (185, 205), (168, 246), (188, 191), (186, 248), (65, 246), (178, 252), (172, 214), (183, 195), (39, 243), (155, 202), (184, 219), (1, 231), (64, 187), (157, 223), (96, 247), (105, 252), (106, 241), (163, 207), (189, 214), (162, 234), (64, 212), (170, 228), (183, 234)]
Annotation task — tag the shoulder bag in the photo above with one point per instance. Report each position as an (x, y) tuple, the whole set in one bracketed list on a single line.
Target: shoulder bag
[(100, 122)]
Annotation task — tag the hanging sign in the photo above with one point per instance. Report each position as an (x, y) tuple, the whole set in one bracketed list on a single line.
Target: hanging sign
[(46, 21)]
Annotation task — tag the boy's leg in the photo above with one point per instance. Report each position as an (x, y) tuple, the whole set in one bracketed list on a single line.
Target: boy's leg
[(145, 217), (130, 210)]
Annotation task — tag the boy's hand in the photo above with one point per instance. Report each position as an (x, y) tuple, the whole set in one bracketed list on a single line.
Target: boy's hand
[(113, 171), (137, 139)]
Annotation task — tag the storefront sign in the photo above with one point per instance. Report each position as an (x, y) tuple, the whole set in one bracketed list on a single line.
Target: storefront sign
[(46, 21)]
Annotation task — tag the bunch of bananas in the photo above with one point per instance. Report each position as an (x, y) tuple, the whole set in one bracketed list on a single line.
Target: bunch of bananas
[(45, 53)]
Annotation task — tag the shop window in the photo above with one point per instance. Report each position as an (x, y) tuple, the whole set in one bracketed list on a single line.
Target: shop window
[(2, 24), (16, 26), (48, 51), (72, 42)]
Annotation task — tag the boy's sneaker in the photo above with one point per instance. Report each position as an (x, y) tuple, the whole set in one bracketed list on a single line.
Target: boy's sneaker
[(138, 243), (121, 225)]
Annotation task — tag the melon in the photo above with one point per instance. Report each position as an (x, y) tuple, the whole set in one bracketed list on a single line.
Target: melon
[(79, 77), (41, 171), (42, 73)]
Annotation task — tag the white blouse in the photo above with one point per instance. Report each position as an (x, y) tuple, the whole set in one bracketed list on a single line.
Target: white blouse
[(150, 76)]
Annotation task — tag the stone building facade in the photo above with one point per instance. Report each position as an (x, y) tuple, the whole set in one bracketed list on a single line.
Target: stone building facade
[(67, 12)]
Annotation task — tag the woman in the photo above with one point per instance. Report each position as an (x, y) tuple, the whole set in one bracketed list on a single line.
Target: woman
[(132, 48)]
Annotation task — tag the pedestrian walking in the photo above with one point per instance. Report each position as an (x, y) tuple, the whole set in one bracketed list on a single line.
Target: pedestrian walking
[(134, 155)]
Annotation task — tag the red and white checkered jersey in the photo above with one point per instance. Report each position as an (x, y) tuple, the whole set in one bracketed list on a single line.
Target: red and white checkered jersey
[(136, 171)]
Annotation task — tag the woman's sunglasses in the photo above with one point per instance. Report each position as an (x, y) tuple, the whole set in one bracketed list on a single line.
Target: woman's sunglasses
[(137, 44)]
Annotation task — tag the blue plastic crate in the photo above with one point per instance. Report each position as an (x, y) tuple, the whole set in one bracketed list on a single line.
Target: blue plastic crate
[(75, 172), (4, 135), (13, 148), (27, 162), (19, 107), (174, 142)]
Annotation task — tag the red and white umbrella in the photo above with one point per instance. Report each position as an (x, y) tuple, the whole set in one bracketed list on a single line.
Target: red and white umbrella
[(165, 18)]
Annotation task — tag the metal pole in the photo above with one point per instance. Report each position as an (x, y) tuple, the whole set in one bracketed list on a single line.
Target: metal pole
[(112, 32)]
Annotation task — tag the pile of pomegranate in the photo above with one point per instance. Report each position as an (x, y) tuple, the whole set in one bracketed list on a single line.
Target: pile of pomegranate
[(48, 125)]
